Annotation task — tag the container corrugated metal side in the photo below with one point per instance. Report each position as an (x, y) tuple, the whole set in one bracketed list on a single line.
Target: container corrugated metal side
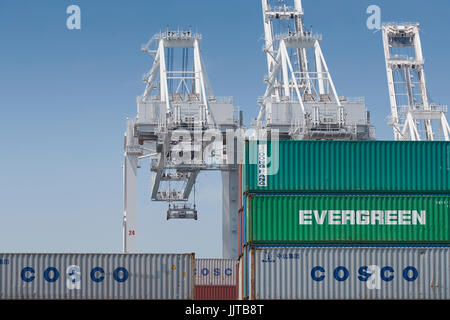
[(348, 219), (215, 292), (215, 272), (412, 273), (347, 166), (96, 276), (240, 279)]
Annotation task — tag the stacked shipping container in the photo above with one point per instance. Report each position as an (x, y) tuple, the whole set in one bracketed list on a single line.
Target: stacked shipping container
[(215, 279), (346, 272), (316, 216), (96, 276), (347, 167)]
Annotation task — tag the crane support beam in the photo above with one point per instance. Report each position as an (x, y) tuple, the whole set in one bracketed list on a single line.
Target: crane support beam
[(189, 184), (230, 214), (130, 165)]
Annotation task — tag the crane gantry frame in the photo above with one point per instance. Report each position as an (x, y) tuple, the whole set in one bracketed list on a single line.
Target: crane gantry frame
[(301, 99), (412, 112), (181, 127)]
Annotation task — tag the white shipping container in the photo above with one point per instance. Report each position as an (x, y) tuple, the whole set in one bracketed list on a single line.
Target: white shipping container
[(345, 272), (96, 276), (215, 272)]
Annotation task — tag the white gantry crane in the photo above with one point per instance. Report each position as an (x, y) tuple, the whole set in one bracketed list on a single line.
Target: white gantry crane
[(413, 115), (301, 100), (181, 128)]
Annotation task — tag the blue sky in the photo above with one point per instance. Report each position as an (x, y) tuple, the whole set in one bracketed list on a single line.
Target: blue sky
[(64, 96)]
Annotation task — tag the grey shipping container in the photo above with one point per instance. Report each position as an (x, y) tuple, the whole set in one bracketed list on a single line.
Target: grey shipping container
[(215, 272), (96, 276), (378, 272)]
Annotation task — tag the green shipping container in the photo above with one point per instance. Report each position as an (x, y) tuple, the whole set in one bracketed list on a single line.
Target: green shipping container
[(347, 166), (347, 219)]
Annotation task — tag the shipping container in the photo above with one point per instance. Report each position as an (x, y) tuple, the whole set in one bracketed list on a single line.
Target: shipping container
[(96, 276), (339, 273), (215, 272), (216, 292), (346, 219), (216, 279), (347, 167)]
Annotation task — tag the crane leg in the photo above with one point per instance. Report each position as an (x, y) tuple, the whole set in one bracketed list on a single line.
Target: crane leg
[(130, 202), (230, 221)]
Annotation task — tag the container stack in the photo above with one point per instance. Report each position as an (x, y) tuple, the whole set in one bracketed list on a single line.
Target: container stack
[(105, 276), (215, 279), (345, 220)]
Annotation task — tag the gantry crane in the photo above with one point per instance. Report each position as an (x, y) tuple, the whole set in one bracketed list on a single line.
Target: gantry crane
[(413, 114), (181, 127), (301, 100)]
